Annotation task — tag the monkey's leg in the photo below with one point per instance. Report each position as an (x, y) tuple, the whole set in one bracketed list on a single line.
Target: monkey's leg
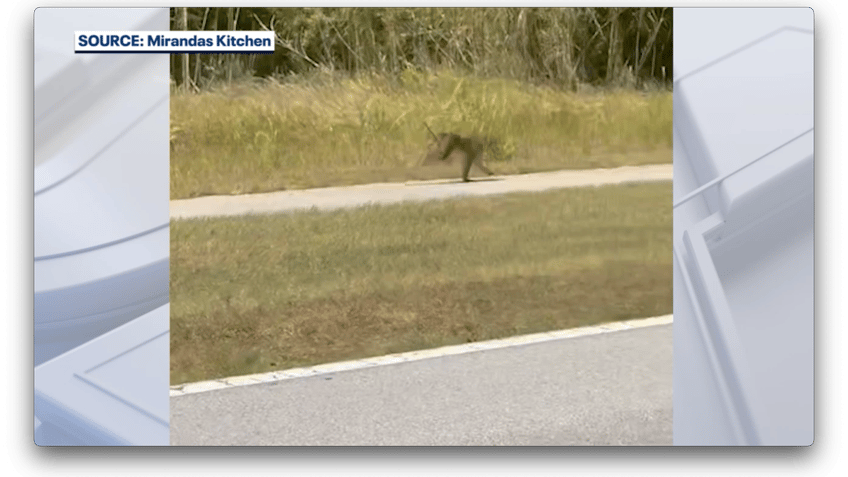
[(466, 165), (482, 167)]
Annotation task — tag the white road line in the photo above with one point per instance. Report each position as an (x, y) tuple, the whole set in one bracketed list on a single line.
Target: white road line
[(275, 376)]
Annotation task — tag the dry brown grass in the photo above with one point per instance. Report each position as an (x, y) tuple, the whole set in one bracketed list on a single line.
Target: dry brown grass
[(258, 294), (342, 131)]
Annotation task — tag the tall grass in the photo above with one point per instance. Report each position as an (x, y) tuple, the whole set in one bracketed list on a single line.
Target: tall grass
[(562, 46), (325, 129)]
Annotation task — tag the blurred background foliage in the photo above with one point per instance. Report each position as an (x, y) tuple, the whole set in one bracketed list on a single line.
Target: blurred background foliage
[(565, 47)]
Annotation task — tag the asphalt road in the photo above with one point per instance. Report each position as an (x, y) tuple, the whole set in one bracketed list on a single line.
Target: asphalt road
[(606, 389), (354, 196)]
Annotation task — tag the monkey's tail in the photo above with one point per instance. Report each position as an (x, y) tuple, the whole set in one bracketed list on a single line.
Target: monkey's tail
[(431, 132)]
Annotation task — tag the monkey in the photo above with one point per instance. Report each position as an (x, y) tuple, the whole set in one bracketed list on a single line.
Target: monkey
[(473, 148)]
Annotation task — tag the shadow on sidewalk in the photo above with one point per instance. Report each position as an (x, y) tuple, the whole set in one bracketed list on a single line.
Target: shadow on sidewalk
[(453, 181)]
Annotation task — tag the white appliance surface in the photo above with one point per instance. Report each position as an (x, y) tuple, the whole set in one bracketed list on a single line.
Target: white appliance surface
[(743, 227), (101, 238)]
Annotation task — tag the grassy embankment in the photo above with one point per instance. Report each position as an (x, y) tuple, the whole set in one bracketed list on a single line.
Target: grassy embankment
[(255, 294), (326, 130)]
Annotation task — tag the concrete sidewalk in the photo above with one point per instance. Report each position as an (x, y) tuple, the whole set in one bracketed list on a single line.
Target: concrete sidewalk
[(331, 198)]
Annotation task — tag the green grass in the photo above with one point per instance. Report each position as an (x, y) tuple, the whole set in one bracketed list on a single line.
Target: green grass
[(254, 294), (328, 130)]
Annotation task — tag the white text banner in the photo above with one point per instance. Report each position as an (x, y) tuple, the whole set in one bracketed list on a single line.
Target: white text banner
[(174, 42)]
